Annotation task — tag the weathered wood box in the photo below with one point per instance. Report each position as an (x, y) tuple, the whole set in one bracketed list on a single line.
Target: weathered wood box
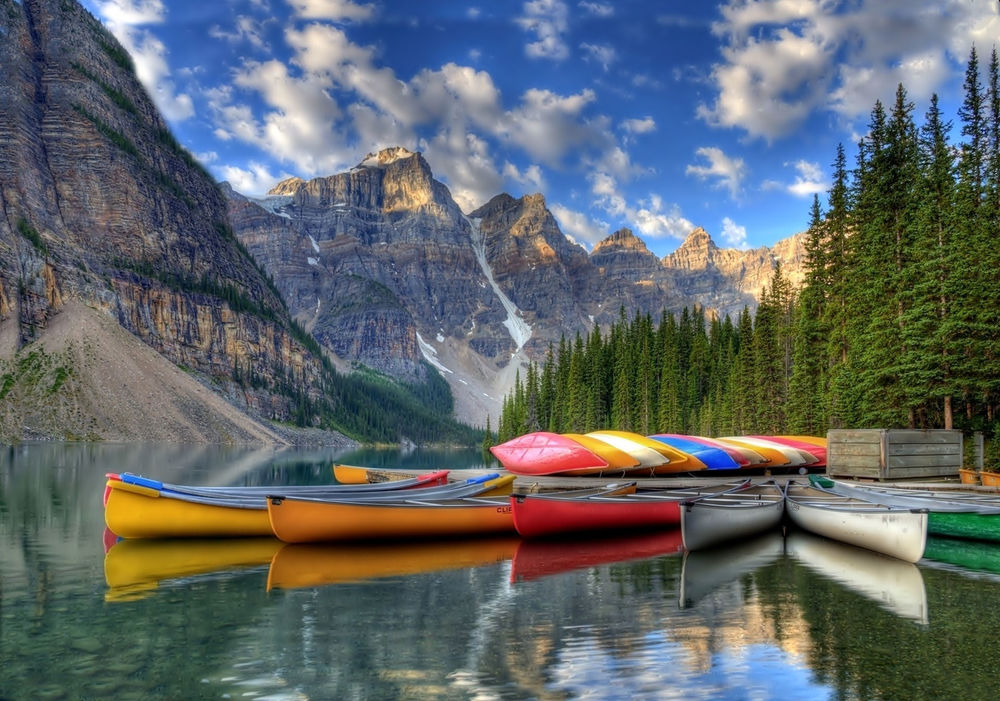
[(893, 454)]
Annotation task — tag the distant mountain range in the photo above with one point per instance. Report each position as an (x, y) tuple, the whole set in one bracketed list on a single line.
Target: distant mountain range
[(140, 300), (384, 269)]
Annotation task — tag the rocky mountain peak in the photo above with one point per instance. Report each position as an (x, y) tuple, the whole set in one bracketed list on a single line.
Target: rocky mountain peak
[(622, 239), (699, 240), (288, 186), (386, 156)]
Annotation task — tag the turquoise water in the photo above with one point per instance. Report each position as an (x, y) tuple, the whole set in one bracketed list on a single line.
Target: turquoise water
[(623, 618)]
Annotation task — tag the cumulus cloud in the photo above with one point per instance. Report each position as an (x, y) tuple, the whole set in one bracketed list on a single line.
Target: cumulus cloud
[(809, 180), (734, 235), (336, 10), (726, 172), (651, 217), (255, 180), (530, 177), (783, 60), (601, 54), (639, 126), (247, 29), (579, 227), (127, 19), (548, 22)]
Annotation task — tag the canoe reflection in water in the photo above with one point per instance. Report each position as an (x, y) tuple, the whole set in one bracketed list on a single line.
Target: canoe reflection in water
[(895, 585), (315, 564), (704, 571), (135, 568), (543, 557)]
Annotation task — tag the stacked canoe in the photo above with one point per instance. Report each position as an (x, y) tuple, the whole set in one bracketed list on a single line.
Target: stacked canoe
[(606, 453)]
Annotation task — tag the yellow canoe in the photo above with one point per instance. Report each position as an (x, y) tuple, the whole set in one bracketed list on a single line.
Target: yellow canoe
[(770, 453), (353, 474), (134, 511), (133, 568), (814, 440), (314, 520), (616, 458), (671, 460), (316, 564)]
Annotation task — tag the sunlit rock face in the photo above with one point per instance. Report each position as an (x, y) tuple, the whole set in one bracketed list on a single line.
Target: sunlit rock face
[(100, 205), (382, 266)]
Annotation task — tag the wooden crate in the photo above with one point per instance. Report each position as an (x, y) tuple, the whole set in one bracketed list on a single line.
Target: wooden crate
[(893, 454)]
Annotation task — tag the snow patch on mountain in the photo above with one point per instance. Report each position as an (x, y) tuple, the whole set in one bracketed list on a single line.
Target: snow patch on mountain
[(430, 354), (519, 329)]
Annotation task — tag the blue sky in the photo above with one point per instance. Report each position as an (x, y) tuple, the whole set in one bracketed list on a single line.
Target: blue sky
[(659, 116)]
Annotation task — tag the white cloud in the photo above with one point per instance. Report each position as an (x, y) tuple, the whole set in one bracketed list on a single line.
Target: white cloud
[(783, 60), (530, 177), (654, 221), (809, 180), (734, 235), (464, 162), (651, 217), (126, 19), (548, 125), (579, 227), (254, 181), (207, 157), (599, 53), (247, 29), (548, 21), (728, 172), (336, 10), (599, 9), (639, 126)]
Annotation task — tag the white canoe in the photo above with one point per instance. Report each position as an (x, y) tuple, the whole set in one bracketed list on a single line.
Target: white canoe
[(896, 531), (724, 518)]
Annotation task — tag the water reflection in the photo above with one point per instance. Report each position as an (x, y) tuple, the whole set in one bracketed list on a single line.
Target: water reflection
[(893, 584), (455, 620)]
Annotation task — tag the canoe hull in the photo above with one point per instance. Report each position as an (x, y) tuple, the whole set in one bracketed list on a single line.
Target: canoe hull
[(710, 522), (302, 521), (539, 517), (901, 534), (137, 512), (965, 525), (544, 453)]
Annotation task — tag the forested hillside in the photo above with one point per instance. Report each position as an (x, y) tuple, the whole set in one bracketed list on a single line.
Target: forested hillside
[(896, 324)]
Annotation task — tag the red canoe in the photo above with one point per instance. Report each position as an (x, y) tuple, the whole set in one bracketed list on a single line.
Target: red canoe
[(546, 514), (544, 453)]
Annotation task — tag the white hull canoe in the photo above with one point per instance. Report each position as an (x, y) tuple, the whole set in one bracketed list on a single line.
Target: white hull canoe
[(894, 585), (725, 518), (898, 532)]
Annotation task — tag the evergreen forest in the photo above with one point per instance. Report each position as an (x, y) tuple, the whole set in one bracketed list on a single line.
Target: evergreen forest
[(895, 325)]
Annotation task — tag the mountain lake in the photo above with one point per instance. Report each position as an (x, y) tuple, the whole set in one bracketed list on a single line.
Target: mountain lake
[(626, 617)]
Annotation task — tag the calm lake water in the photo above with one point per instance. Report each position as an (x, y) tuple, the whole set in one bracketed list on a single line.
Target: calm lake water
[(622, 618)]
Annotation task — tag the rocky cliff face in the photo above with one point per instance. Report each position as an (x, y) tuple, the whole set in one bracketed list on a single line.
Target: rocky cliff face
[(381, 266), (101, 205)]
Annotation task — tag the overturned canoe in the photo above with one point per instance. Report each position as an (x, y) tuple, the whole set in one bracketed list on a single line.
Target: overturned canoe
[(805, 448), (891, 530), (544, 453), (722, 518), (713, 457), (671, 460)]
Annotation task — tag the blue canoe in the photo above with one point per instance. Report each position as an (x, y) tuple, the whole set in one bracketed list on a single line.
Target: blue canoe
[(714, 458)]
